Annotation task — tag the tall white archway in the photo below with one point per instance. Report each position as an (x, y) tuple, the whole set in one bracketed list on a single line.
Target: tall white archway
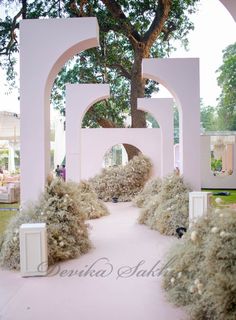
[(181, 78), (79, 98), (42, 55), (162, 110)]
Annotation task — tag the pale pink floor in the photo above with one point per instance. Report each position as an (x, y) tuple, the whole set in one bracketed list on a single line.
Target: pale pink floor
[(118, 238)]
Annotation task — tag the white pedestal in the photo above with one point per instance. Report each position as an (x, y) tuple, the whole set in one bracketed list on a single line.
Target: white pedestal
[(199, 203), (33, 249)]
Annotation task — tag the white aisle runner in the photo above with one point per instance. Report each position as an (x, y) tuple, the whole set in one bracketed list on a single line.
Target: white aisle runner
[(119, 279)]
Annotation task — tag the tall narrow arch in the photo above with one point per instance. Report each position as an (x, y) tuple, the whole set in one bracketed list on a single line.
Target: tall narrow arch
[(79, 98), (42, 55), (162, 110), (181, 77)]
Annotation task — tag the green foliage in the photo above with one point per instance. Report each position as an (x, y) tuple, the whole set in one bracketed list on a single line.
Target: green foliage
[(140, 25), (208, 118), (6, 215), (227, 82), (216, 165), (176, 125), (123, 182), (202, 275), (226, 200)]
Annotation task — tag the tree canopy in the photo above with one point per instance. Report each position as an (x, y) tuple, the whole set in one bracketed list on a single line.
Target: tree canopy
[(129, 31), (226, 108)]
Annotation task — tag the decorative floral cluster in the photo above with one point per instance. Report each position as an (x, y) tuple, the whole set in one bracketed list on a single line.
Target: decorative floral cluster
[(203, 273), (89, 203), (122, 182), (166, 206), (151, 188), (64, 208)]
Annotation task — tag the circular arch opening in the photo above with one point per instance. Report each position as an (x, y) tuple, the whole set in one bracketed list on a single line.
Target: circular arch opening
[(119, 155)]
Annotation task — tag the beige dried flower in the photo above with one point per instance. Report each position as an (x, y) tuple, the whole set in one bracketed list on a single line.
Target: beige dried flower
[(192, 289), (200, 286), (218, 200), (223, 234), (214, 230), (193, 236)]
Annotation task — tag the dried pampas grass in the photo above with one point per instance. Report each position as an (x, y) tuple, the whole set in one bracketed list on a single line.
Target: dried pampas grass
[(123, 182), (151, 188), (89, 203), (168, 209), (60, 208), (204, 268)]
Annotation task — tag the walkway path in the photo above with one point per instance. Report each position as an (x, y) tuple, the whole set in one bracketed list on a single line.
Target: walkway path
[(120, 244)]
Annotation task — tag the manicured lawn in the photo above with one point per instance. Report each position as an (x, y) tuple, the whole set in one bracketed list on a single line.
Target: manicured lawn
[(6, 215), (226, 199)]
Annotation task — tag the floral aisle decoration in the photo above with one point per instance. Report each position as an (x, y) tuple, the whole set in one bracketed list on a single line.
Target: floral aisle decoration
[(89, 203), (123, 182), (64, 207), (204, 268), (168, 209), (151, 188)]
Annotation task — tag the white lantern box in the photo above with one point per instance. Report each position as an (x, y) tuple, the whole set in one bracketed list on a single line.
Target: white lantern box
[(33, 249), (199, 204)]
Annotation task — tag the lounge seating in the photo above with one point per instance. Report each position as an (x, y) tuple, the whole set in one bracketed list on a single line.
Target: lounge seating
[(10, 193)]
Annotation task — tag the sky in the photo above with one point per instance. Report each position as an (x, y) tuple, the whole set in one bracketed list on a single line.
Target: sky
[(214, 30)]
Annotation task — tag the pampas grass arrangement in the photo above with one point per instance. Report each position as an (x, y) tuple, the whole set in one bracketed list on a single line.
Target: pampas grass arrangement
[(151, 188), (89, 203), (64, 208), (167, 209), (123, 182), (202, 276)]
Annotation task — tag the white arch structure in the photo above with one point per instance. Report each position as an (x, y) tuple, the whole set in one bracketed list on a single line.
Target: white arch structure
[(181, 78), (230, 5), (85, 148), (162, 111), (79, 98), (42, 56), (43, 53), (96, 142)]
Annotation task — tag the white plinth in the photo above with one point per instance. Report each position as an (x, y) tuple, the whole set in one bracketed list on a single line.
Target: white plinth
[(33, 249), (199, 204)]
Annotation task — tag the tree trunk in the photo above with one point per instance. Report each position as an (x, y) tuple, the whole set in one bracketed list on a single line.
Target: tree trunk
[(131, 151), (137, 91), (24, 9), (137, 88)]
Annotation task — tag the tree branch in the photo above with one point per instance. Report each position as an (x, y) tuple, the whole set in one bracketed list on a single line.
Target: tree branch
[(103, 122), (5, 50), (124, 23), (155, 29), (121, 69)]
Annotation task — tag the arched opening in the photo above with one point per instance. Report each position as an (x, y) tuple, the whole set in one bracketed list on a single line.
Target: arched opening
[(222, 155), (117, 155), (36, 88)]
